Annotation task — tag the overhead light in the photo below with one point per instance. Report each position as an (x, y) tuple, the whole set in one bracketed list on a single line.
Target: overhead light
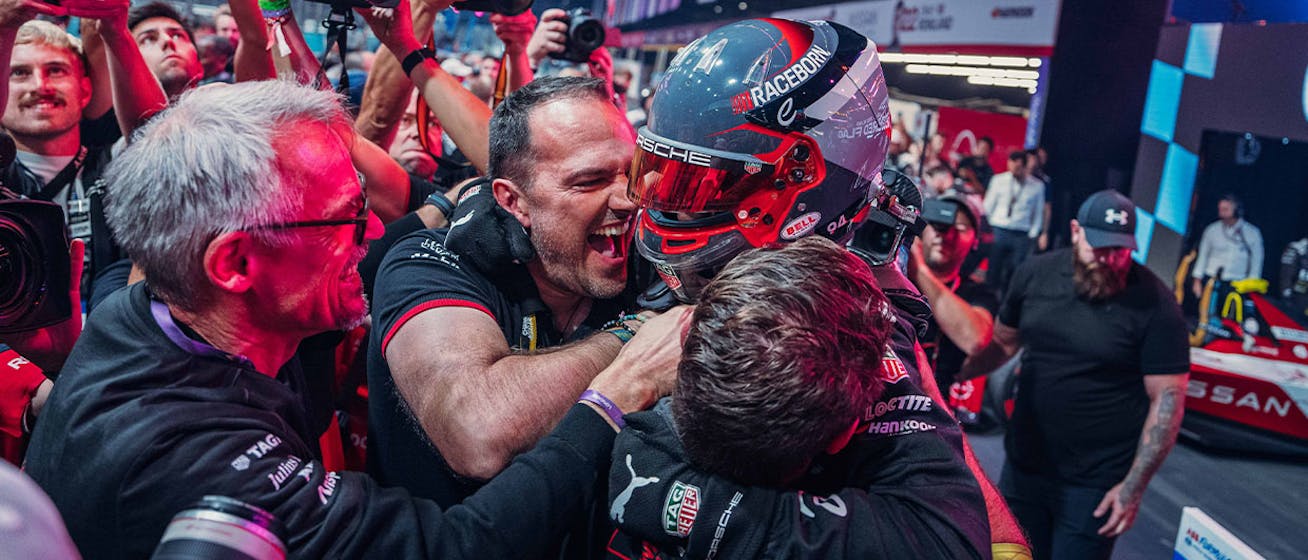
[(960, 59), (939, 70), (1029, 85), (1016, 61)]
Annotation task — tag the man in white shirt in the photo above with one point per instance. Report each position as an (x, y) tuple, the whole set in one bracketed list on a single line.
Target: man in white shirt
[(1015, 204), (1230, 247)]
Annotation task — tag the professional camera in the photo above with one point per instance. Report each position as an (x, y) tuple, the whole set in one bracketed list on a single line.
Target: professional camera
[(894, 221), (585, 34), (506, 7), (33, 265), (218, 527)]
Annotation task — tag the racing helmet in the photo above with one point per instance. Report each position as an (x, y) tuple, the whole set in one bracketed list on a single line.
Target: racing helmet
[(763, 131)]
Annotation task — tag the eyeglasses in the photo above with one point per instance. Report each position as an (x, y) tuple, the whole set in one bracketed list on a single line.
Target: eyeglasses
[(360, 221)]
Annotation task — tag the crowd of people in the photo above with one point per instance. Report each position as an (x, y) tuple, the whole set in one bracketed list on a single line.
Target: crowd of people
[(577, 338)]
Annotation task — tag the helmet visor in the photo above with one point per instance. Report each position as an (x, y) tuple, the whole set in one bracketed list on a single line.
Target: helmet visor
[(670, 176)]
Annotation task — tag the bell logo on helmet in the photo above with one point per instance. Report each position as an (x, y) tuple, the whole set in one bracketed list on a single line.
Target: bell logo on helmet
[(791, 77), (672, 152), (801, 226)]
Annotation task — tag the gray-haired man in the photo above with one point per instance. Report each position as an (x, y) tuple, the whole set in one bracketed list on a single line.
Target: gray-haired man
[(242, 206)]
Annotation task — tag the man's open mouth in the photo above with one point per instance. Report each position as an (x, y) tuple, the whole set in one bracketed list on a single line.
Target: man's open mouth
[(610, 240)]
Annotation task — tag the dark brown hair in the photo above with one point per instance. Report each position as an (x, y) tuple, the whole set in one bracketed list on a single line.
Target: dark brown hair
[(783, 354)]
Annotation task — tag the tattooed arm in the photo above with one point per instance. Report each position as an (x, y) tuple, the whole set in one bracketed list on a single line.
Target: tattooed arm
[(1166, 408)]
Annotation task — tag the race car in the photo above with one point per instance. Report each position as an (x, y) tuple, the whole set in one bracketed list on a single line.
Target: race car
[(1248, 387)]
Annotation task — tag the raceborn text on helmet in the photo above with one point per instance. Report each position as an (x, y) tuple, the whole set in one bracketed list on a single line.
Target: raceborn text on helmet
[(764, 130)]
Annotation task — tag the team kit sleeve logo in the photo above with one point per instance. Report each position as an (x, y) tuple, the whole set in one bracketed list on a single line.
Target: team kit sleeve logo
[(680, 509)]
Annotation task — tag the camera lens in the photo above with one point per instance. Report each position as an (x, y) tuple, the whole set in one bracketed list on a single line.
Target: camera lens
[(589, 34), (218, 527), (19, 270), (33, 265)]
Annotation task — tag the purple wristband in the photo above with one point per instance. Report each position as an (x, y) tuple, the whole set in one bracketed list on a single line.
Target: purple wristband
[(598, 398)]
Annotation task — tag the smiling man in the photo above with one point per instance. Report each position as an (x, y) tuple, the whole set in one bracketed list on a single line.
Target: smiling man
[(45, 88), (469, 366)]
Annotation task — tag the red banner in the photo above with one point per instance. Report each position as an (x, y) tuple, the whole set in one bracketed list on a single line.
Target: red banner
[(962, 129)]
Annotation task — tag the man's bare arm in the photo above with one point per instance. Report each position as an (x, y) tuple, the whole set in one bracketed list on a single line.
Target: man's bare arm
[(137, 94), (387, 182), (1166, 409), (97, 68), (1003, 346), (481, 404), (967, 326), (515, 32), (464, 117), (252, 61), (386, 93)]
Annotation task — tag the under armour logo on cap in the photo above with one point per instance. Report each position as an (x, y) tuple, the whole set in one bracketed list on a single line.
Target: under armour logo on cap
[(1108, 220)]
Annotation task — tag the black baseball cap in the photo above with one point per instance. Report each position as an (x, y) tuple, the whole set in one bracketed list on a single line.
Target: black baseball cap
[(1108, 218)]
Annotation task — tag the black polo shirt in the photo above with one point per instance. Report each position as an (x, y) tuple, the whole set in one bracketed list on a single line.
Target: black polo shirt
[(1081, 401), (419, 274)]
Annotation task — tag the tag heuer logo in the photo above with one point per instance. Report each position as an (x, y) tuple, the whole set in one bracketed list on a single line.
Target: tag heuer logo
[(680, 508), (241, 463)]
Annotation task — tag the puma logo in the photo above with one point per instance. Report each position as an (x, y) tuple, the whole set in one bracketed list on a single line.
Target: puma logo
[(620, 504), (463, 220)]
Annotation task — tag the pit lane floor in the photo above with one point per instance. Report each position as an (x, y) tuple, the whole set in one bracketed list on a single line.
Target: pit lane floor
[(1264, 502)]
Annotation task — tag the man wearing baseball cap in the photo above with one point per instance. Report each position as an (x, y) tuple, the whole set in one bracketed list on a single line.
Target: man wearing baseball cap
[(963, 310), (1102, 389)]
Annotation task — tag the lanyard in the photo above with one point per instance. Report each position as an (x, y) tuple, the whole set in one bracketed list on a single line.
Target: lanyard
[(63, 178)]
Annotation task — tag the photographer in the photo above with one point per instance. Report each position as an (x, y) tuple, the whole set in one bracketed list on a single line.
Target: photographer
[(33, 358), (551, 39), (186, 384), (46, 90), (962, 309)]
